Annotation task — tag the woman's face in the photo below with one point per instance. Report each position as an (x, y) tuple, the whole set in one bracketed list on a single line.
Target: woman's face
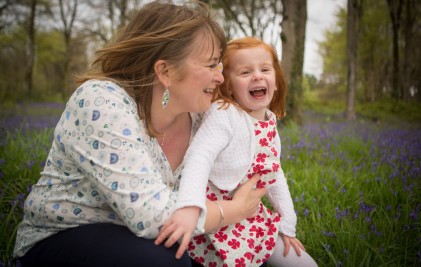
[(200, 73)]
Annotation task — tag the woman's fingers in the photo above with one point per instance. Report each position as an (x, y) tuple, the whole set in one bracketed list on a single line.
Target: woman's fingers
[(249, 197), (260, 192)]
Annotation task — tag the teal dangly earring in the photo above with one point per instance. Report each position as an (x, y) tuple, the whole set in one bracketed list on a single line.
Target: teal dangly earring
[(165, 98)]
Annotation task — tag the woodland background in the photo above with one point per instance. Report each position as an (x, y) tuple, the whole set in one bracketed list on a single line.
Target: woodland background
[(372, 55), (351, 140)]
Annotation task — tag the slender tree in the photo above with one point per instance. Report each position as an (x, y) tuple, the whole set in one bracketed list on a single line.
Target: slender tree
[(395, 12), (68, 11), (293, 40), (31, 48), (410, 62), (353, 25)]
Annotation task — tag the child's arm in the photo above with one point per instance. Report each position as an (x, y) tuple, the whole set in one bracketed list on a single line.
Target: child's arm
[(212, 137), (281, 200), (280, 197), (179, 227)]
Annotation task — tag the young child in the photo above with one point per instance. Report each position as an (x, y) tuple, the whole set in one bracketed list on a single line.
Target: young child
[(237, 139)]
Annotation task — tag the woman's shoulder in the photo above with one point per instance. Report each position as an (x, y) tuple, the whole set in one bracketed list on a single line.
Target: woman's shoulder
[(95, 86), (99, 92)]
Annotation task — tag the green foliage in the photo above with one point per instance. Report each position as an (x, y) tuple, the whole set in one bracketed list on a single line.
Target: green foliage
[(374, 67), (13, 61), (391, 111), (326, 101), (374, 55), (309, 82), (331, 103), (333, 51), (47, 72)]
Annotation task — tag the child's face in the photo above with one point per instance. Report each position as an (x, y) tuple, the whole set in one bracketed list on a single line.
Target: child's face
[(252, 79)]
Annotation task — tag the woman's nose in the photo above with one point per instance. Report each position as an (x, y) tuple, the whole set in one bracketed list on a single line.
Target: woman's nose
[(218, 78)]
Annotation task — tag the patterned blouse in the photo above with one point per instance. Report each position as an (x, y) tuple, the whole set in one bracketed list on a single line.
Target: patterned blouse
[(102, 167)]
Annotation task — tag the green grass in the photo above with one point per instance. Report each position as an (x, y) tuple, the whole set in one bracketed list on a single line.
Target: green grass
[(356, 189), (355, 186), (22, 157)]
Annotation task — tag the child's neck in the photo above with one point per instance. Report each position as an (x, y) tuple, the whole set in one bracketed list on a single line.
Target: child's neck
[(259, 114)]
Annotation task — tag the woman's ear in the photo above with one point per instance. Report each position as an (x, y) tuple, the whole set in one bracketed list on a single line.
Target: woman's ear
[(161, 69)]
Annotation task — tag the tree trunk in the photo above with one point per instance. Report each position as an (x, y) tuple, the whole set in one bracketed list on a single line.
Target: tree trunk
[(68, 15), (31, 49), (293, 39), (409, 60), (395, 8), (354, 7)]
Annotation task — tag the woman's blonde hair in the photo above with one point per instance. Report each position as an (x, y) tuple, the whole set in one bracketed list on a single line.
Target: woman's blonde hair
[(224, 91), (160, 30)]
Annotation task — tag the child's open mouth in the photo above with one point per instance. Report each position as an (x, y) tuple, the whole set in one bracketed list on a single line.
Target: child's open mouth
[(261, 91)]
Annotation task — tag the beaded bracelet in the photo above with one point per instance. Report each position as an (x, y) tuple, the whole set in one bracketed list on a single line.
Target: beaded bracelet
[(222, 217)]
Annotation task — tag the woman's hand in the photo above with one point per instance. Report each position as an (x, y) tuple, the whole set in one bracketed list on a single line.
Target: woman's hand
[(294, 242), (248, 197), (244, 204), (180, 226)]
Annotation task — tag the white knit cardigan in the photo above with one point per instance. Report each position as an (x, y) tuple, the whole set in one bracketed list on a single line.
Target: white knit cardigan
[(222, 151)]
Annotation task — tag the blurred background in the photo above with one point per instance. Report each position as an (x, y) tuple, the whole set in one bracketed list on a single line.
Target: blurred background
[(356, 56)]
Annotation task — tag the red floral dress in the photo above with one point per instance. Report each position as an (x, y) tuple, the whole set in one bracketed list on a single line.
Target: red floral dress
[(252, 241)]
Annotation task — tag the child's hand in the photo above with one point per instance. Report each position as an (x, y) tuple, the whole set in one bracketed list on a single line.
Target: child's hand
[(180, 226), (292, 241)]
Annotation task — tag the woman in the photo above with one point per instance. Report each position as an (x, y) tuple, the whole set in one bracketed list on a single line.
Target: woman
[(111, 177)]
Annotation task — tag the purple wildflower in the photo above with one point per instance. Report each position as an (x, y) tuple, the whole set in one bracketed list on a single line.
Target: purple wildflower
[(414, 215), (329, 234)]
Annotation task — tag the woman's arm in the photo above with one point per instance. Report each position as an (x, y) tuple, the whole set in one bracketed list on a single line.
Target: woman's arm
[(109, 146), (244, 204)]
